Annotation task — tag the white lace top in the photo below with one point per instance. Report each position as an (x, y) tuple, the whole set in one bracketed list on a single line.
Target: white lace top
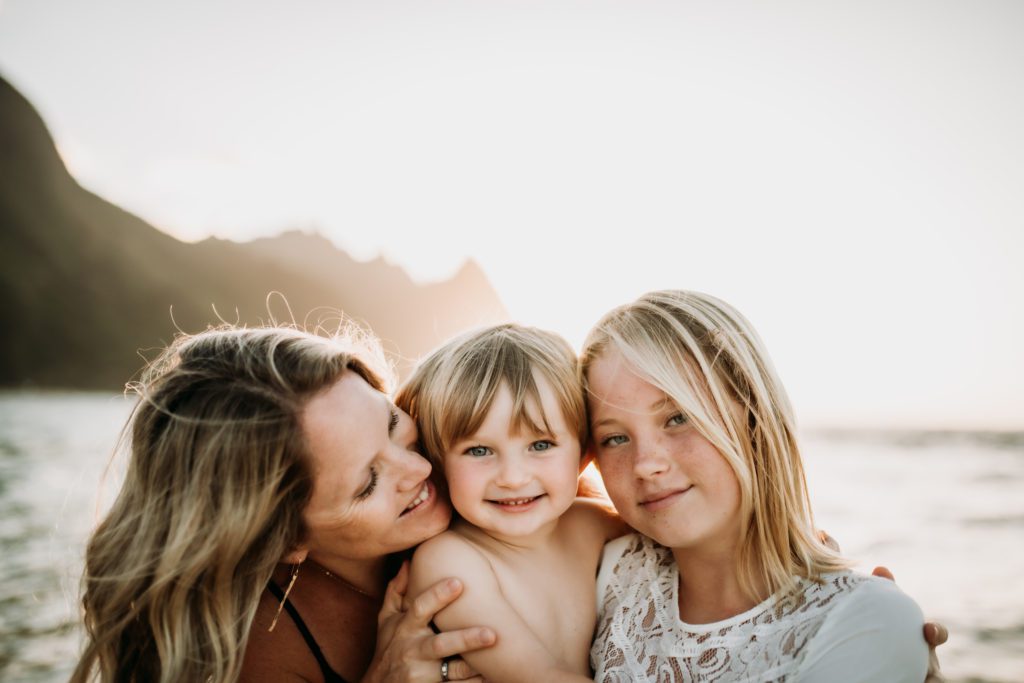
[(851, 628)]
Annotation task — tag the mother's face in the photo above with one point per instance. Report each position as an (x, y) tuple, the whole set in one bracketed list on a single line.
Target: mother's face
[(372, 493)]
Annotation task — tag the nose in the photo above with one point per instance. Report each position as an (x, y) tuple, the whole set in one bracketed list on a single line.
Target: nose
[(651, 459), (512, 473), (412, 467)]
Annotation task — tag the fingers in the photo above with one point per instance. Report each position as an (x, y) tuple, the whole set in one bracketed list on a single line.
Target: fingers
[(935, 633), (934, 674), (452, 643), (394, 594), (884, 573), (458, 670), (828, 541), (434, 599)]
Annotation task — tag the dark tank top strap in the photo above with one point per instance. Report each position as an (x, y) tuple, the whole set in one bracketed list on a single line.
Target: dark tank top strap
[(330, 676)]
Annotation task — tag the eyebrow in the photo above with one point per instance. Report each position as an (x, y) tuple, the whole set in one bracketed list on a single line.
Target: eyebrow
[(659, 405)]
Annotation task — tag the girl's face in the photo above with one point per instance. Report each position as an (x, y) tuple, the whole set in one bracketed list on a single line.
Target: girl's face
[(513, 483), (372, 493), (666, 480)]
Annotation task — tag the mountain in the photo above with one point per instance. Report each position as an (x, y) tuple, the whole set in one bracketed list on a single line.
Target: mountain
[(87, 290)]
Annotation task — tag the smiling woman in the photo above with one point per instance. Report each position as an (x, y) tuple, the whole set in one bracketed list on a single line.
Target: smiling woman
[(268, 472)]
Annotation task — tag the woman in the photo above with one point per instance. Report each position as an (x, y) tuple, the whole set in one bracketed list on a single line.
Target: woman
[(249, 448), (695, 439)]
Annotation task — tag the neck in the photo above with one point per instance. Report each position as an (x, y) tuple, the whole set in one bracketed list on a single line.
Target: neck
[(364, 576), (709, 585), (533, 541)]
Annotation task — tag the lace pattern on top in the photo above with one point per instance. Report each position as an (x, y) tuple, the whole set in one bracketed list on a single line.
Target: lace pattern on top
[(640, 637)]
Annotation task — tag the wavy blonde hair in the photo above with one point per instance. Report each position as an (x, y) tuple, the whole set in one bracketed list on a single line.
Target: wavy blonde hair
[(450, 392), (217, 481), (708, 359)]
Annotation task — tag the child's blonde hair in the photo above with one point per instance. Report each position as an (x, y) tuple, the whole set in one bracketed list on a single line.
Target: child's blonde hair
[(708, 359), (451, 391)]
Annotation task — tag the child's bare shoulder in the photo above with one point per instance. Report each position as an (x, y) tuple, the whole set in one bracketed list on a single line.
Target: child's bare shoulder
[(595, 519), (448, 555)]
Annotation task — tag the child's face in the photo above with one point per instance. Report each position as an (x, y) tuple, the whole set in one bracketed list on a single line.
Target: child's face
[(666, 480), (511, 485)]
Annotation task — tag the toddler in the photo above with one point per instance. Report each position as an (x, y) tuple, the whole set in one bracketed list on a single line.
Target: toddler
[(502, 414)]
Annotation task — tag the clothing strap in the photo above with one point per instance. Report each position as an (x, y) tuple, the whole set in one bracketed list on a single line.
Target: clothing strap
[(330, 676)]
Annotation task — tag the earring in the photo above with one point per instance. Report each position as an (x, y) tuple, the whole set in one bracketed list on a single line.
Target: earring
[(280, 605)]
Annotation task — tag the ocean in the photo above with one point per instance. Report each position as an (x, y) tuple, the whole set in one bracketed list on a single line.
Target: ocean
[(943, 510)]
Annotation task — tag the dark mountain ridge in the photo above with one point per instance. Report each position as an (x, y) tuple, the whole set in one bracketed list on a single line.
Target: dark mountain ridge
[(84, 285)]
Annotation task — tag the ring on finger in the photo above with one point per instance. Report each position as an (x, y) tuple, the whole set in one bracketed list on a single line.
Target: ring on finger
[(444, 670)]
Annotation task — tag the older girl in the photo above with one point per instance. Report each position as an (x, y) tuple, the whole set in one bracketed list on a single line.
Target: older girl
[(695, 439)]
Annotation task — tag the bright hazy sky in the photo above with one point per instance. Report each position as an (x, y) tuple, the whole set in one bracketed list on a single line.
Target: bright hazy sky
[(849, 174)]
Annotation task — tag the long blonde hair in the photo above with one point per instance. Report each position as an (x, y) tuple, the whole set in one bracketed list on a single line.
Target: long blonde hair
[(450, 392), (708, 359), (213, 496)]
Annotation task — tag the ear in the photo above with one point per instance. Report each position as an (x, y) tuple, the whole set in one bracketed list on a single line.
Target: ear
[(297, 555)]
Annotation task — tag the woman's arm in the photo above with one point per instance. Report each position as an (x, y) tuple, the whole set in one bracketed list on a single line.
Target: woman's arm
[(408, 650)]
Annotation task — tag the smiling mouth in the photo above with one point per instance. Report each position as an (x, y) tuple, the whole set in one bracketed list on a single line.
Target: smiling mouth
[(419, 500), (661, 500), (514, 502)]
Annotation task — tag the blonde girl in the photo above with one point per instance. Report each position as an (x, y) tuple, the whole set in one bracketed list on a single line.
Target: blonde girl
[(726, 580)]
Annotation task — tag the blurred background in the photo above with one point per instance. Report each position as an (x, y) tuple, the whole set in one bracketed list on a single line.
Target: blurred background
[(850, 175)]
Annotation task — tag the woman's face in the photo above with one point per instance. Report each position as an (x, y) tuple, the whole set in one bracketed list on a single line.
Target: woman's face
[(372, 492), (666, 480)]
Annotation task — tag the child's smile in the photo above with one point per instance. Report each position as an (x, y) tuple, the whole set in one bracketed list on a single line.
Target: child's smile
[(512, 483)]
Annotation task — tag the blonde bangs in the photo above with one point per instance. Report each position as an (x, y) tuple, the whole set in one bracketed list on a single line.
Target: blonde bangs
[(451, 391)]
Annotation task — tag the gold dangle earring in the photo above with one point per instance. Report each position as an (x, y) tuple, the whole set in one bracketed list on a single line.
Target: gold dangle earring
[(280, 605)]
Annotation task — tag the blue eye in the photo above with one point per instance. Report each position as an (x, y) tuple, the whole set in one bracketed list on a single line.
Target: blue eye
[(613, 440), (542, 445), (676, 420), (477, 451)]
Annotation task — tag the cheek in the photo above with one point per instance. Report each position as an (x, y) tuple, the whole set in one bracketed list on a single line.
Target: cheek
[(464, 481), (616, 480)]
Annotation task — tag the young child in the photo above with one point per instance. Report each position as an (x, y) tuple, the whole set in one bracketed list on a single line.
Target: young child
[(502, 414)]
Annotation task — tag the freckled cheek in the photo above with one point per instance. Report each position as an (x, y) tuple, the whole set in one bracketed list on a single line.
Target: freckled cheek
[(617, 482)]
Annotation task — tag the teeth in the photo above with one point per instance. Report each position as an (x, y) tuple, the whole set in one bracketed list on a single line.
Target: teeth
[(422, 496), (516, 501)]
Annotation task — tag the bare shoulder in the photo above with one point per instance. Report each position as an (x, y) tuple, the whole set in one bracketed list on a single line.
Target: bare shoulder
[(594, 520), (448, 555)]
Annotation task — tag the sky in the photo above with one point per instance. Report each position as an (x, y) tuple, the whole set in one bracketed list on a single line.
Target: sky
[(850, 175)]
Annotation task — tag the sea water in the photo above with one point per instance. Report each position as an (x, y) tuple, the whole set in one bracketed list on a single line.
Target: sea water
[(944, 511)]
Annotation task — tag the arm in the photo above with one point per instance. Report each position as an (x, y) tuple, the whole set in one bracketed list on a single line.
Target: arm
[(518, 655), (407, 649), (596, 519), (874, 635)]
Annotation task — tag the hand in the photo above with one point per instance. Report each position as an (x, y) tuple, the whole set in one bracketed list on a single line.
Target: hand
[(408, 651), (828, 541), (934, 634)]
